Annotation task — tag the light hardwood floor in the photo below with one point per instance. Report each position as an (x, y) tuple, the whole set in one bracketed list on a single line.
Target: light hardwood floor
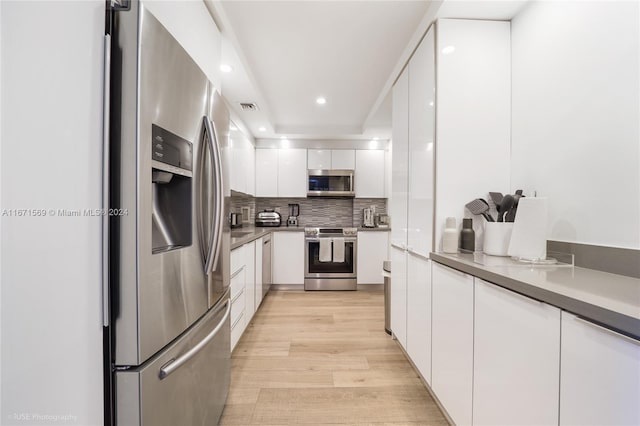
[(324, 358)]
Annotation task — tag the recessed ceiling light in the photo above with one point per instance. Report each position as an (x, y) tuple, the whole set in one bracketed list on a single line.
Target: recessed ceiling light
[(283, 137), (375, 138), (321, 101), (226, 68), (448, 50), (262, 129)]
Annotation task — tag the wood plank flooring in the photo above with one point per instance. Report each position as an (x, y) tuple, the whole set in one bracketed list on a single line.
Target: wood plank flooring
[(320, 358)]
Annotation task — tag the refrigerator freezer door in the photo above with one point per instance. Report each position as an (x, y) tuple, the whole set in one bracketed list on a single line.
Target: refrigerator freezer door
[(192, 394), (158, 293)]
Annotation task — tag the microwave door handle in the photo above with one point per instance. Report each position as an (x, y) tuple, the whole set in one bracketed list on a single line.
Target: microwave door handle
[(210, 240)]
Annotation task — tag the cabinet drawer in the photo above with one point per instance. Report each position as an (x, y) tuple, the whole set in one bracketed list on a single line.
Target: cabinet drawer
[(237, 259), (237, 282), (236, 331), (237, 308)]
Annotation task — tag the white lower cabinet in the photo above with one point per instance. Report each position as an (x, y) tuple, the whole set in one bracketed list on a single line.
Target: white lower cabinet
[(452, 341), (258, 272), (288, 257), (600, 375), (399, 295), (250, 285), (372, 252), (238, 317), (516, 358), (419, 314)]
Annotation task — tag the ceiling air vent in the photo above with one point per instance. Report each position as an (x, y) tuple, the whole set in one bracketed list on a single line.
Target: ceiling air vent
[(248, 106)]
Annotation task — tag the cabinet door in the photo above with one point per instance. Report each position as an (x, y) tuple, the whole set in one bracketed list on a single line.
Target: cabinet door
[(292, 173), (319, 159), (258, 272), (250, 285), (600, 375), (421, 146), (288, 257), (250, 168), (266, 172), (474, 115), (343, 159), (516, 364), (372, 251), (237, 172), (399, 295), (399, 160), (419, 314), (369, 175), (452, 341)]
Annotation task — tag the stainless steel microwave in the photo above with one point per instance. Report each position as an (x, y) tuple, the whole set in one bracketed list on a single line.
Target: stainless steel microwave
[(330, 183)]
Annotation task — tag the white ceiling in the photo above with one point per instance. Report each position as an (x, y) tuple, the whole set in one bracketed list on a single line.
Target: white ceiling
[(287, 53)]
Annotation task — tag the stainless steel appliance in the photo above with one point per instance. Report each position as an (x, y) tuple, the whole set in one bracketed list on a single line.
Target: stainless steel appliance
[(268, 218), (367, 218), (266, 265), (235, 220), (382, 220), (294, 212), (330, 258), (169, 333), (330, 183), (386, 272)]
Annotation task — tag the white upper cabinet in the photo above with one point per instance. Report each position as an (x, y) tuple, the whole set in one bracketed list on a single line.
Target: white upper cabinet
[(600, 375), (319, 159), (343, 159), (474, 115), (266, 172), (250, 168), (400, 160), (242, 163), (422, 110), (331, 159), (369, 176), (292, 173)]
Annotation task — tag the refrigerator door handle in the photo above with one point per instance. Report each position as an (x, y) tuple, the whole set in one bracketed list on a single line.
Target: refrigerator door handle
[(106, 122), (204, 184), (174, 364), (216, 238)]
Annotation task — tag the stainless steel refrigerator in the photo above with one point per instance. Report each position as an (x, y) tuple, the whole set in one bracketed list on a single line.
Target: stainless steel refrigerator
[(168, 343)]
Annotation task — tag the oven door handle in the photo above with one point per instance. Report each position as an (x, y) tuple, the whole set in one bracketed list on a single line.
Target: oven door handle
[(346, 240)]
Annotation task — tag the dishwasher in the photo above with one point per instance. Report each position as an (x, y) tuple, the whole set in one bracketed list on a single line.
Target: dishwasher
[(266, 264)]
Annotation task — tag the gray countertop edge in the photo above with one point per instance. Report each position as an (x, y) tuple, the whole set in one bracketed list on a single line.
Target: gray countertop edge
[(615, 321)]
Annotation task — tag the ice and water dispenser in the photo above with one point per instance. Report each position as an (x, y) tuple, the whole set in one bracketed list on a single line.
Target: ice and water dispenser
[(171, 176)]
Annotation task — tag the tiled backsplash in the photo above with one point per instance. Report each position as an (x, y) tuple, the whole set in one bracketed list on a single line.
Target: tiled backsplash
[(314, 211)]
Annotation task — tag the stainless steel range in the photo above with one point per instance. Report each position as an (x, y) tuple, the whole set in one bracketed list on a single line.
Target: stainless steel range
[(330, 258)]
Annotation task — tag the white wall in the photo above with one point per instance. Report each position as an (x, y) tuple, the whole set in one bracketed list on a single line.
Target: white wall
[(51, 319), (576, 117), (191, 24)]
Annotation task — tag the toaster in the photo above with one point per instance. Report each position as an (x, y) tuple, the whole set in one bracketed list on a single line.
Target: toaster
[(268, 218)]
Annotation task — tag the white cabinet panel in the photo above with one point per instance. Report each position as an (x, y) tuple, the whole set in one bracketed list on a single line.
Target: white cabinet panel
[(250, 278), (452, 341), (369, 176), (319, 159), (250, 169), (474, 116), (266, 172), (600, 376), (399, 295), (419, 314), (372, 251), (258, 272), (342, 159), (292, 173), (421, 146), (400, 160), (288, 257), (516, 358)]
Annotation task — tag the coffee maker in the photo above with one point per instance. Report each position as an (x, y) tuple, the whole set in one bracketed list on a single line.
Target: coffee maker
[(368, 214), (294, 212)]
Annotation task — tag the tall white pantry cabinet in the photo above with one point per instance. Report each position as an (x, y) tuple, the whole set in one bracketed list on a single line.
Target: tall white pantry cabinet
[(439, 165)]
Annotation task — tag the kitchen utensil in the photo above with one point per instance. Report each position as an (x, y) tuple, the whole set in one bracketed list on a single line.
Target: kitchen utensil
[(480, 206), (235, 220), (496, 197), (510, 216), (497, 236), (505, 206)]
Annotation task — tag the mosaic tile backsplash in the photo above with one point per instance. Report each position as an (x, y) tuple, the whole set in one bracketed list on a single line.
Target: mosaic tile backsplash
[(314, 211)]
